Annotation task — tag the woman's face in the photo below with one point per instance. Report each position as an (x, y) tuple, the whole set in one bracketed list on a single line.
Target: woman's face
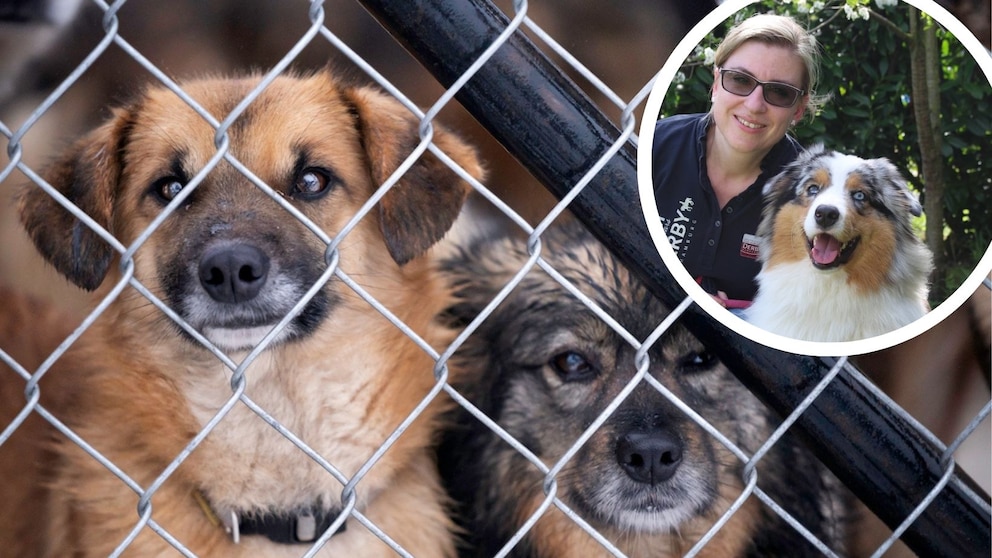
[(750, 125)]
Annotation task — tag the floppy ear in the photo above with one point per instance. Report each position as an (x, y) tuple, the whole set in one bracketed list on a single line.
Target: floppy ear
[(423, 205), (890, 173), (87, 176)]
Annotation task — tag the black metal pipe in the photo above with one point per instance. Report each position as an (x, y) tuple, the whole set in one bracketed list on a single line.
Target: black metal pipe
[(549, 125)]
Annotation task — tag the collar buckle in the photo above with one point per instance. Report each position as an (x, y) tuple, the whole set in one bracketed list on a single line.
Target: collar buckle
[(231, 525), (306, 527)]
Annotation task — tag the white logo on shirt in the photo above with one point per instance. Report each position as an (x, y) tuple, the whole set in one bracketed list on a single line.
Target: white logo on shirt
[(678, 228)]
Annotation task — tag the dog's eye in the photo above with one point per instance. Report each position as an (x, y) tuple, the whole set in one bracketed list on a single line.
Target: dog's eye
[(859, 196), (812, 190), (168, 188), (573, 367), (312, 183), (697, 361)]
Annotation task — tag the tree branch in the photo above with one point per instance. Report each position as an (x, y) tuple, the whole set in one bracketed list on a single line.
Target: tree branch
[(896, 30)]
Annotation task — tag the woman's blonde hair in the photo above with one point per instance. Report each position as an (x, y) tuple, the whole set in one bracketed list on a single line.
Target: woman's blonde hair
[(784, 31)]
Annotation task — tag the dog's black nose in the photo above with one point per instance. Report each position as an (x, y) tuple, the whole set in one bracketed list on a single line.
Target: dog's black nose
[(826, 215), (233, 273), (650, 457)]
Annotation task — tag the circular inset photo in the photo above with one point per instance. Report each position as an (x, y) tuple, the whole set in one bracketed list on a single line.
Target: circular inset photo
[(818, 175)]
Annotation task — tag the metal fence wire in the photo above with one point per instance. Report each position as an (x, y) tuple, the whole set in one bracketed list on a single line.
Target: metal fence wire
[(499, 67)]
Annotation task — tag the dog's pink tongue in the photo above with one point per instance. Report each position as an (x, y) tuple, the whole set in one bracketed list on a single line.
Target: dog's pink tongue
[(825, 249)]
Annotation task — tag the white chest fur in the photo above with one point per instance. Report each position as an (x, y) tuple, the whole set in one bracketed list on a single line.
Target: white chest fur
[(800, 302)]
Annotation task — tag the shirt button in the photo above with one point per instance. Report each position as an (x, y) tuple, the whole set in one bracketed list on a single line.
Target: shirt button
[(717, 224), (730, 209), (711, 242)]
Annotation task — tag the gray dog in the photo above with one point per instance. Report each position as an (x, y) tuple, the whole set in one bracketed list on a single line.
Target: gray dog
[(651, 479)]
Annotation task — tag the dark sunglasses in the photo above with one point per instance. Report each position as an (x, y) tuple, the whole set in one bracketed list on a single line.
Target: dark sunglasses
[(775, 93)]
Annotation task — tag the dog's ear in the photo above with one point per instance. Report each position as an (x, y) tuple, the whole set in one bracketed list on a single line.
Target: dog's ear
[(776, 184), (888, 172), (781, 188), (87, 175), (423, 205)]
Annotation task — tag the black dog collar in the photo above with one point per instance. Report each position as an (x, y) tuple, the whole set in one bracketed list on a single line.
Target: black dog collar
[(303, 525)]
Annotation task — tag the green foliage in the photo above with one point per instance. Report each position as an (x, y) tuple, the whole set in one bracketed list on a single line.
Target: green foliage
[(866, 71)]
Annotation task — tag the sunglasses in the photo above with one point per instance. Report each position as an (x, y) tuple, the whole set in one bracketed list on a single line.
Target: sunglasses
[(775, 93)]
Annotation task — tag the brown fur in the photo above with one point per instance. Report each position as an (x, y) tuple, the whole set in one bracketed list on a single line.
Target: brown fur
[(341, 380), (878, 244), (29, 332), (789, 239)]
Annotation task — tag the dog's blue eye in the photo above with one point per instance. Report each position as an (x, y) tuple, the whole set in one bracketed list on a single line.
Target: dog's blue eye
[(812, 190), (311, 183), (859, 196), (572, 367)]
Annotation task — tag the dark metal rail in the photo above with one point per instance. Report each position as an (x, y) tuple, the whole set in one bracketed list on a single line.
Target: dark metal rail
[(548, 124)]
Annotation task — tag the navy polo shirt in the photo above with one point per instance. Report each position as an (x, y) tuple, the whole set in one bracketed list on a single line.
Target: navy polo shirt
[(717, 246)]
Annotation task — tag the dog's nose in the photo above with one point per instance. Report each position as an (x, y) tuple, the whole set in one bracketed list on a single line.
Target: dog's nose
[(826, 215), (649, 457), (233, 273)]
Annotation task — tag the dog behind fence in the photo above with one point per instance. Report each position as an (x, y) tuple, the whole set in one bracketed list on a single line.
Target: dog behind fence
[(593, 204)]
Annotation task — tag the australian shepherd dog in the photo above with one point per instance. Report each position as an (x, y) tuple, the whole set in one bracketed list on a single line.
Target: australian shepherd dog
[(840, 261)]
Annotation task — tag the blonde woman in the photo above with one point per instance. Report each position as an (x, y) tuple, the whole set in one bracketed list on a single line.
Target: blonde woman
[(709, 168)]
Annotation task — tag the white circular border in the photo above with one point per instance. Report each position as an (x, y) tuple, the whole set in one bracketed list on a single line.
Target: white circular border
[(652, 107)]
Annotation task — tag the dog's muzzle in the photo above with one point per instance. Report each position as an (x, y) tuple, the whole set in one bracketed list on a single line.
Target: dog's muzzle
[(236, 291), (649, 456), (825, 250), (233, 273), (826, 216)]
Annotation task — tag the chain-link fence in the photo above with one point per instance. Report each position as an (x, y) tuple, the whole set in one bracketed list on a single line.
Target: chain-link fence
[(513, 77)]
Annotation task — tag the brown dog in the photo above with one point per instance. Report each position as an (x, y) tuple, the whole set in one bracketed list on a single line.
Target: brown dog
[(232, 264)]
